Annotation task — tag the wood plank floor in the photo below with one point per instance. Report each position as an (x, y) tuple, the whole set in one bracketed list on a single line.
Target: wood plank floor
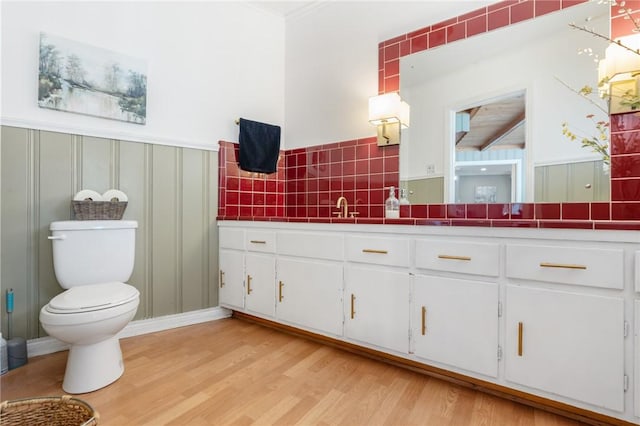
[(233, 372)]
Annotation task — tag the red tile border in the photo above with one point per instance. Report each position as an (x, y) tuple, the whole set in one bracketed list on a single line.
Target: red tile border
[(547, 211), (514, 223), (573, 211), (565, 224)]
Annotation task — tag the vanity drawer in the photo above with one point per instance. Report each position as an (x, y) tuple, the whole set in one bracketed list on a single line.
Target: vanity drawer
[(231, 238), (261, 241), (311, 245), (378, 250), (458, 256), (593, 267)]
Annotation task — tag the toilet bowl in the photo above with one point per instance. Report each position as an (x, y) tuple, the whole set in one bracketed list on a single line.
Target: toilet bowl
[(92, 259), (90, 328)]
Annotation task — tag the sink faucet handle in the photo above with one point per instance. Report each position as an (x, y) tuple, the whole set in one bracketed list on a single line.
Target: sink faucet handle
[(354, 214), (337, 213)]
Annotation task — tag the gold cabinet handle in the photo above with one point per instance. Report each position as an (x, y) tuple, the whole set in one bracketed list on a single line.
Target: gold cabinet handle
[(561, 265), (258, 242), (451, 257), (520, 333), (374, 251), (221, 278), (249, 290), (353, 305), (424, 320), (280, 296)]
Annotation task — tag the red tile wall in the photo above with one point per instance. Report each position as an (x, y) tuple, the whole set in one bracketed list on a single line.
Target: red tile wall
[(310, 180), (248, 194), (359, 170), (625, 137)]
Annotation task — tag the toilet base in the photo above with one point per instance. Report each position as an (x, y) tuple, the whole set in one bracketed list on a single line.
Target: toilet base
[(91, 367)]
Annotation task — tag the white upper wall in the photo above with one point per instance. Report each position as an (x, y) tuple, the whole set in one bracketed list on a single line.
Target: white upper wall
[(208, 63), (332, 63)]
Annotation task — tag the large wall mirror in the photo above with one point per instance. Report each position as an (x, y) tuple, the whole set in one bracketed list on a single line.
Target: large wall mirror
[(487, 114)]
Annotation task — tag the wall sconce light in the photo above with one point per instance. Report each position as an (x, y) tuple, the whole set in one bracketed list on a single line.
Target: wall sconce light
[(389, 113), (618, 74)]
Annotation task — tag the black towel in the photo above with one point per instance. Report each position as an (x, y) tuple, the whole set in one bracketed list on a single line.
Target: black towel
[(259, 146)]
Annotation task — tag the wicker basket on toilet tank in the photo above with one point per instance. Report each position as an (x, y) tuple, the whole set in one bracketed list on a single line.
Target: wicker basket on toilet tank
[(98, 210)]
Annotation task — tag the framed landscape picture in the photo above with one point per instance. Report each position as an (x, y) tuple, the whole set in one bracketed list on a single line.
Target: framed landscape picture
[(76, 77)]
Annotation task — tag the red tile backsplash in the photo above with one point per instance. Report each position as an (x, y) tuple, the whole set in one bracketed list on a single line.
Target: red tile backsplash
[(498, 19), (456, 211), (476, 211), (625, 142), (309, 180), (625, 166), (600, 211), (522, 211), (575, 211), (625, 211), (437, 38), (544, 7), (419, 43), (522, 11), (547, 211), (625, 189), (476, 25), (456, 32)]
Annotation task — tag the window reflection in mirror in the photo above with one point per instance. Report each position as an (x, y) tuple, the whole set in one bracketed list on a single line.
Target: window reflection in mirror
[(530, 58), (490, 148)]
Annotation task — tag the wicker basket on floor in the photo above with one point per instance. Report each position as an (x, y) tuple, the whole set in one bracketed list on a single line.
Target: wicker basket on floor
[(48, 411), (98, 210)]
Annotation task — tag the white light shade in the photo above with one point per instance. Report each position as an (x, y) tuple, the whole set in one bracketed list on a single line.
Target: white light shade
[(620, 62), (388, 108), (405, 113)]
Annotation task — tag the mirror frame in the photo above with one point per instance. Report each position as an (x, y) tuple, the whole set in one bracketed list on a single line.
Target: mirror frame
[(624, 205)]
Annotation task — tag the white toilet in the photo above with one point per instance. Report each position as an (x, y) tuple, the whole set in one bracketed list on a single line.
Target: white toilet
[(92, 260)]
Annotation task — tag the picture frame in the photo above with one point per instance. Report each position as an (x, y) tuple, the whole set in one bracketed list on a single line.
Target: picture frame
[(84, 79)]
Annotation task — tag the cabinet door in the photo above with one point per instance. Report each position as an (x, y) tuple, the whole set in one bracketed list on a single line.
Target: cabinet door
[(231, 279), (376, 305), (455, 322), (260, 284), (309, 293), (569, 344)]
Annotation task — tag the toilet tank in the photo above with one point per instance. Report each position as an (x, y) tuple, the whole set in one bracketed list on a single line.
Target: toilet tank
[(93, 251)]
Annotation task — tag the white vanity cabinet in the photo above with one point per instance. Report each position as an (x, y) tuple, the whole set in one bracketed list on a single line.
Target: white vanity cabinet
[(309, 281), (260, 284), (544, 315), (455, 318), (260, 270), (566, 343), (376, 292), (231, 268), (564, 327), (455, 322), (231, 279), (376, 306)]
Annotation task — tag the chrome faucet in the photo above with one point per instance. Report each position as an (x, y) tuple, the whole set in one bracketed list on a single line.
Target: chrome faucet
[(345, 207)]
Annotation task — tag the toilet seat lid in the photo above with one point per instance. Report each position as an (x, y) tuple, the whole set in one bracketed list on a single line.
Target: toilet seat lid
[(92, 297)]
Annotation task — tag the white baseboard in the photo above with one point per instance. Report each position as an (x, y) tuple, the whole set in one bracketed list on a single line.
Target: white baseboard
[(48, 345)]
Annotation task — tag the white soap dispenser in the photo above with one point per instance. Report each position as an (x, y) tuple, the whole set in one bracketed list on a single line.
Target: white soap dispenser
[(404, 201), (392, 205)]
